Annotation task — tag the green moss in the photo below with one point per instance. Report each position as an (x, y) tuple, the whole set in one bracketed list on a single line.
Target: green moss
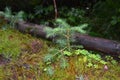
[(9, 44), (12, 42)]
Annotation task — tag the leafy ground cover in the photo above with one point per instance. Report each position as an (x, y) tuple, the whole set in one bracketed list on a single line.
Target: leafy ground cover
[(26, 54)]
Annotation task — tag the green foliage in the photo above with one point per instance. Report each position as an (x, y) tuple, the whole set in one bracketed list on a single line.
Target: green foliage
[(63, 63), (73, 16), (12, 18), (49, 70), (51, 56), (40, 10), (55, 55), (63, 37), (65, 32), (90, 58), (111, 60), (42, 13), (106, 19), (68, 53), (115, 20)]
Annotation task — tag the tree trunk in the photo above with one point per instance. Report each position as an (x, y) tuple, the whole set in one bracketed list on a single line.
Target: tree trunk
[(91, 43)]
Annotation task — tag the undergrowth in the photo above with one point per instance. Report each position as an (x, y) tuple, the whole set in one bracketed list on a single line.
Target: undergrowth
[(29, 65), (11, 18), (63, 36)]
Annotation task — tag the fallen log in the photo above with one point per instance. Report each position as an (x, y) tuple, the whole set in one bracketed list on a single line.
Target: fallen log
[(98, 44), (92, 43)]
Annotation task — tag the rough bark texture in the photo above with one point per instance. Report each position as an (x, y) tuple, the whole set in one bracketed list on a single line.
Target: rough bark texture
[(92, 43), (34, 29), (98, 44)]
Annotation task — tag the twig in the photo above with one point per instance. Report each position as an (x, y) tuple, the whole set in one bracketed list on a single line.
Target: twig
[(55, 7)]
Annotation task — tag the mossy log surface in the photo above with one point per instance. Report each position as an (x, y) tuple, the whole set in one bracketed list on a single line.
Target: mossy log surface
[(91, 43)]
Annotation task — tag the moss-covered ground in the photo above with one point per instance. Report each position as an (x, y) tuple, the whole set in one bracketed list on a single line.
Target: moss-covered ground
[(26, 53)]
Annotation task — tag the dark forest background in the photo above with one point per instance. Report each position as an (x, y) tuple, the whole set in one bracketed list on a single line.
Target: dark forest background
[(103, 16)]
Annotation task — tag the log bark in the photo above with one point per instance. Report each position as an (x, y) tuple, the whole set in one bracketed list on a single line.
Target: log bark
[(91, 43), (98, 44)]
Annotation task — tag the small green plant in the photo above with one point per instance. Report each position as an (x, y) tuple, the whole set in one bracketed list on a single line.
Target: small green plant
[(63, 35), (89, 58), (111, 60), (10, 17)]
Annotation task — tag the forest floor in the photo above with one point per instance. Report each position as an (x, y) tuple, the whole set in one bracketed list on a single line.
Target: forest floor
[(24, 61)]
